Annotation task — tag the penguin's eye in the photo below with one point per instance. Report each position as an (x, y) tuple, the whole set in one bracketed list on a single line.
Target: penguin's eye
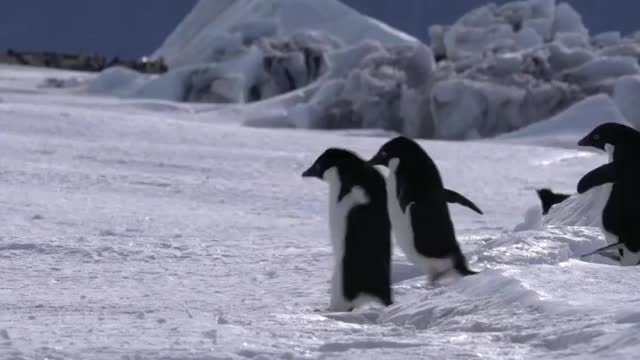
[(383, 154), (596, 137)]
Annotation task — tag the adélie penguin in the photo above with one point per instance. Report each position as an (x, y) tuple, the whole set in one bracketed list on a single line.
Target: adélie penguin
[(418, 209), (360, 230), (549, 198), (621, 214)]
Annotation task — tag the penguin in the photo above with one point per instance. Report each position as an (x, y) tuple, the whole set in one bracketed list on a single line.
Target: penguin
[(548, 198), (621, 214), (418, 209), (360, 229)]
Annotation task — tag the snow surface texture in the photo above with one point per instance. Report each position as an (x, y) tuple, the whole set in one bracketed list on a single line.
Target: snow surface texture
[(146, 229), (498, 68)]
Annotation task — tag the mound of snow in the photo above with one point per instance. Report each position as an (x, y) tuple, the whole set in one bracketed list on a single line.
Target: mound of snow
[(468, 304), (566, 128), (532, 219), (118, 81), (580, 209)]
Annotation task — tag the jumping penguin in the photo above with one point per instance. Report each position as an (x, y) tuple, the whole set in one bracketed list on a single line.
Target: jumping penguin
[(621, 214), (418, 209), (359, 228)]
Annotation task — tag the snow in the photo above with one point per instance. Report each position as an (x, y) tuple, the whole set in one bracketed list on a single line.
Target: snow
[(209, 19), (153, 229), (150, 217), (566, 128)]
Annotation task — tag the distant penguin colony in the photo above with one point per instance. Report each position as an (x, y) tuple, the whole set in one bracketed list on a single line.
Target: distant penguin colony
[(359, 229), (412, 204), (621, 214)]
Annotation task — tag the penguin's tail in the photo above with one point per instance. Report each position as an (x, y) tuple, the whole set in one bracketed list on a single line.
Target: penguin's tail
[(462, 267)]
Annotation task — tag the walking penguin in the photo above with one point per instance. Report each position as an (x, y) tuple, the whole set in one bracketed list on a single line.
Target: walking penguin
[(359, 228), (621, 214), (418, 209)]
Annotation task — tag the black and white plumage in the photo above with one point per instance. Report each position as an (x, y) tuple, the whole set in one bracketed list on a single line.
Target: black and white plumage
[(549, 198), (621, 214), (359, 228), (418, 209)]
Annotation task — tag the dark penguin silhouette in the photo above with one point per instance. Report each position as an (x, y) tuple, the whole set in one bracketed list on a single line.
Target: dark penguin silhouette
[(548, 198), (359, 227), (418, 209), (621, 214)]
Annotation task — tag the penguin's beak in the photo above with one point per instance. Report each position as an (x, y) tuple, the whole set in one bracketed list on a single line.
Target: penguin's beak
[(588, 141), (584, 141), (311, 172)]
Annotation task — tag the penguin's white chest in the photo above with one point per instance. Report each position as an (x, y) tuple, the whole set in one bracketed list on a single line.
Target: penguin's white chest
[(338, 221), (339, 209), (628, 258), (605, 191), (403, 230), (400, 221)]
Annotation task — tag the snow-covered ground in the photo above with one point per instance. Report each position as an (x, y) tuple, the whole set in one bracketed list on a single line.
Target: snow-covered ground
[(138, 224), (146, 229)]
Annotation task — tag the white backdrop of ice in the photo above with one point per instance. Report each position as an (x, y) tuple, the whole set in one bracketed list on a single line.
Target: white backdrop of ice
[(258, 18), (569, 126), (495, 70)]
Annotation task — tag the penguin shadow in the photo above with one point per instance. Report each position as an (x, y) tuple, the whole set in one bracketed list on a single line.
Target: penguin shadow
[(405, 272), (609, 259), (406, 278)]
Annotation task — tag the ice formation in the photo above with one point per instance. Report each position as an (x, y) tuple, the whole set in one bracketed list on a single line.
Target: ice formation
[(496, 70)]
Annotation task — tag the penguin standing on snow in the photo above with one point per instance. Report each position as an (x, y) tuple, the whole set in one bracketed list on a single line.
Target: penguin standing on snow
[(359, 228), (418, 209), (621, 214)]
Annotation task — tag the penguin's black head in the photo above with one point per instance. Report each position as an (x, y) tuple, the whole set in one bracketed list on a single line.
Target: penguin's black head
[(398, 147), (610, 133), (332, 157)]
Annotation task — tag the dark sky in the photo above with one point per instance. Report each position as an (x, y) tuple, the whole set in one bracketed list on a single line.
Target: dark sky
[(128, 28), (133, 28)]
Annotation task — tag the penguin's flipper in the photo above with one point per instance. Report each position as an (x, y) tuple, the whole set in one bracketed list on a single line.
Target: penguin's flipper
[(605, 249), (596, 177), (456, 198), (612, 256)]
